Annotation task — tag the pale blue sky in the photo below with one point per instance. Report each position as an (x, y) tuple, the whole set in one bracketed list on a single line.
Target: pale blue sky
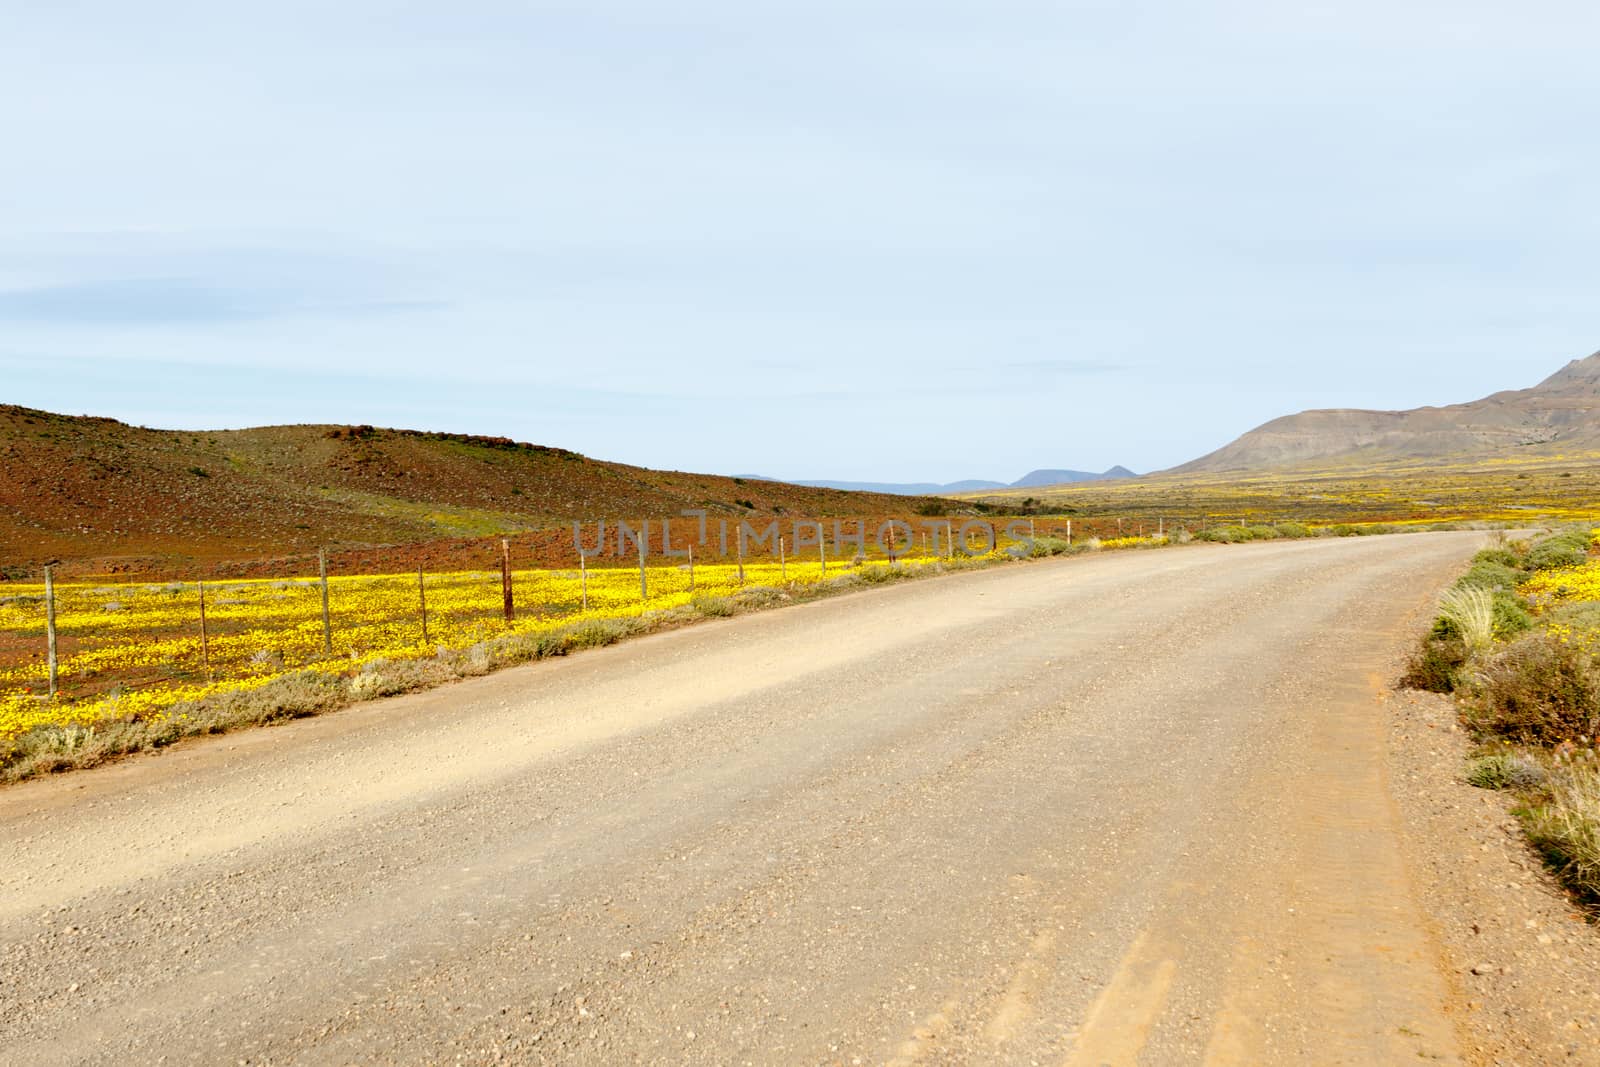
[(888, 241)]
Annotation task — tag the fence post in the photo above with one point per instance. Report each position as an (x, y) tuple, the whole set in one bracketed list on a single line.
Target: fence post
[(583, 577), (644, 535), (691, 566), (783, 560), (327, 623), (205, 641), (739, 548), (505, 580), (50, 624), (422, 602), (1069, 531), (822, 548)]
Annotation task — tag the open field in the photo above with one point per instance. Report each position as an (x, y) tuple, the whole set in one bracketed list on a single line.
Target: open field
[(1011, 816), (1532, 490)]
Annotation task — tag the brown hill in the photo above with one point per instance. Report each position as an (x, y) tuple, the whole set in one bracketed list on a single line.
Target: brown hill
[(1559, 415), (79, 488)]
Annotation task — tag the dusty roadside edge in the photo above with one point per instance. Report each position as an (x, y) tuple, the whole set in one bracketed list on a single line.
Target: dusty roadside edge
[(1522, 960)]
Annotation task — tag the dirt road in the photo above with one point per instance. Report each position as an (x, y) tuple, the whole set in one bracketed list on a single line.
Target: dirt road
[(1119, 808)]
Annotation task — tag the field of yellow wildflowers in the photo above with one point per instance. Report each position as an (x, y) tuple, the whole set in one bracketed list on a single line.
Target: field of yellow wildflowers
[(1566, 585), (135, 650)]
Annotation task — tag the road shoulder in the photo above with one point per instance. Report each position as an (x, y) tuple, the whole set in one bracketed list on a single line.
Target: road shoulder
[(1521, 958)]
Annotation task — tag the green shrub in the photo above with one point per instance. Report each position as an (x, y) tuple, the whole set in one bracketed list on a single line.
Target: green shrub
[(760, 596), (1493, 576), (595, 633), (1226, 535), (1539, 690), (714, 606), (1549, 557), (1293, 529), (1579, 615), (1569, 549), (1050, 546), (1510, 617), (1436, 665), (1503, 556), (1263, 533), (1505, 770)]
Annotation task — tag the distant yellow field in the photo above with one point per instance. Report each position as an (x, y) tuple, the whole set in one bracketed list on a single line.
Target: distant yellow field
[(1535, 489)]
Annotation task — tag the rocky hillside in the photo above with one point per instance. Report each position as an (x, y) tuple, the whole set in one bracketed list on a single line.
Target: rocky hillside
[(1559, 415), (75, 488)]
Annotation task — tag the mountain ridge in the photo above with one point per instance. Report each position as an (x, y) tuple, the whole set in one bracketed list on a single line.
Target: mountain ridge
[(1561, 413), (1033, 479)]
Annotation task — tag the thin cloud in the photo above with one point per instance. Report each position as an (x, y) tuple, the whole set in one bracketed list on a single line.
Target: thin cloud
[(167, 301), (1066, 368)]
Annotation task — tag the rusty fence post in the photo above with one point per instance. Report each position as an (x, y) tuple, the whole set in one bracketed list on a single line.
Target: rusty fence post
[(50, 625)]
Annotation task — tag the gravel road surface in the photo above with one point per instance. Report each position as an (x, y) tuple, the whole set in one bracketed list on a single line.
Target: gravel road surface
[(1121, 808)]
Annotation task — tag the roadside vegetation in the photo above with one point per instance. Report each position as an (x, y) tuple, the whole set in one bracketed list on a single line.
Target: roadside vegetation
[(1517, 642)]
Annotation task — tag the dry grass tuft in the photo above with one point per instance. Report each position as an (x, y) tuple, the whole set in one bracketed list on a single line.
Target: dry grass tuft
[(1468, 611), (1565, 827)]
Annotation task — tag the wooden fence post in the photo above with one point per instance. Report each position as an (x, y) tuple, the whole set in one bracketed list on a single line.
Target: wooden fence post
[(505, 580), (50, 625), (783, 560), (739, 548), (422, 602), (644, 535), (583, 577), (1069, 531), (205, 641), (327, 623), (822, 548), (691, 566)]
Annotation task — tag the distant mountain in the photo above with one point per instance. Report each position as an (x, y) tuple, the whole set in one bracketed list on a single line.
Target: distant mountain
[(1560, 414), (1030, 480), (1049, 477)]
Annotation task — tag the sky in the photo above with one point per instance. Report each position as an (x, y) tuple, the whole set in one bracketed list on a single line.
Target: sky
[(874, 240)]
